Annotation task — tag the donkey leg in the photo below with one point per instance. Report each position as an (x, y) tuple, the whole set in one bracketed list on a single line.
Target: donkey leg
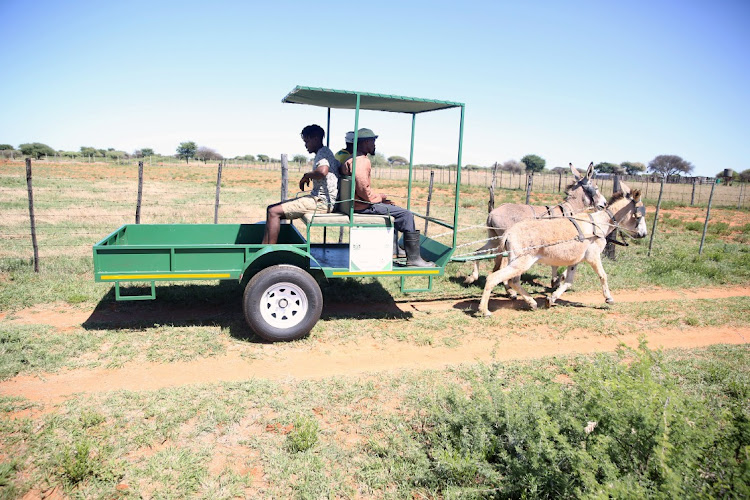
[(516, 284), (493, 280), (471, 278), (557, 277), (501, 262), (570, 274), (596, 263)]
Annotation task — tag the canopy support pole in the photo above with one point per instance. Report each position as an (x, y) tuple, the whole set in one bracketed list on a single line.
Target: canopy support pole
[(411, 159), (458, 175)]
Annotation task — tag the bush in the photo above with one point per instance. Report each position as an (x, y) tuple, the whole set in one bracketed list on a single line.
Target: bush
[(623, 428), (303, 436)]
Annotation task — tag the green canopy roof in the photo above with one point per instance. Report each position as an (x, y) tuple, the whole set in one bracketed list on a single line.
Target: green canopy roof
[(347, 99)]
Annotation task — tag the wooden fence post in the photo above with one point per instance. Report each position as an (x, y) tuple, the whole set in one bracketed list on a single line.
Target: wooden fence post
[(610, 249), (739, 199), (429, 200), (218, 191), (140, 193), (31, 215), (656, 217), (692, 195), (284, 176), (491, 202), (708, 214), (529, 184)]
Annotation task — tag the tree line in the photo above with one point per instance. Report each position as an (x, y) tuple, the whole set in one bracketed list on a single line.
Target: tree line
[(661, 165)]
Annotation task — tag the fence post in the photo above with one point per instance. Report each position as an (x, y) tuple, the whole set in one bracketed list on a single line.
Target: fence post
[(739, 199), (610, 249), (429, 200), (529, 184), (708, 214), (559, 182), (491, 202), (218, 190), (656, 217), (692, 195), (140, 193), (284, 176), (31, 215)]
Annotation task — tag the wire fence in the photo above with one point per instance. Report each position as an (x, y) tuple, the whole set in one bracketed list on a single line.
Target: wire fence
[(78, 204)]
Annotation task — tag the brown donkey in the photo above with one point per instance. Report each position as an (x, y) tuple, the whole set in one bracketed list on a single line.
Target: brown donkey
[(581, 194), (566, 242)]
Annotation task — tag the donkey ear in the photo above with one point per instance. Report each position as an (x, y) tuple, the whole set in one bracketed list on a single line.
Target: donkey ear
[(590, 171), (574, 172), (636, 195)]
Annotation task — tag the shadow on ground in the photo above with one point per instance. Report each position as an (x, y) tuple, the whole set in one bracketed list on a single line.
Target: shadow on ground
[(184, 305)]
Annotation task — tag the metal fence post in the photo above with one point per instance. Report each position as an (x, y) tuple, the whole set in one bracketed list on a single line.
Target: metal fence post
[(31, 215), (708, 214)]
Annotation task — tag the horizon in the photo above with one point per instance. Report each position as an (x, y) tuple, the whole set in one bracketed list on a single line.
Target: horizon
[(570, 83)]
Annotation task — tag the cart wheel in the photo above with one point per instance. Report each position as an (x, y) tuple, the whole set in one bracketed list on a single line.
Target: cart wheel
[(282, 302)]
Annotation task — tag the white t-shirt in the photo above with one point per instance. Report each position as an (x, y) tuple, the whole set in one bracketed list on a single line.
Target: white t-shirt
[(326, 189)]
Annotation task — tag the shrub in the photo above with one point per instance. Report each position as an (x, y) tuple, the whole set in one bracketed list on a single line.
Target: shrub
[(623, 428), (303, 436)]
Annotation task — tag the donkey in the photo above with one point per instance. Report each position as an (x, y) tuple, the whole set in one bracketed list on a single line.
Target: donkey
[(581, 194), (566, 241)]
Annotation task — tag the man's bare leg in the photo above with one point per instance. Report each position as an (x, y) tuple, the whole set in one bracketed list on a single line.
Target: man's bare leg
[(274, 214)]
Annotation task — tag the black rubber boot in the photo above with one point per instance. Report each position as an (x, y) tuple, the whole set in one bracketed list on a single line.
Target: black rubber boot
[(411, 246)]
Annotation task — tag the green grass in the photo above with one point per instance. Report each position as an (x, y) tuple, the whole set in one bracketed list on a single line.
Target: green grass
[(500, 428)]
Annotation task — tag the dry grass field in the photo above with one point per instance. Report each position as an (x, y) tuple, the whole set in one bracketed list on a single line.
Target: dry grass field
[(177, 398)]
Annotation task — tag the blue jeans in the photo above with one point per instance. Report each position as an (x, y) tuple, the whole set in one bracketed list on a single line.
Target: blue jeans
[(403, 220)]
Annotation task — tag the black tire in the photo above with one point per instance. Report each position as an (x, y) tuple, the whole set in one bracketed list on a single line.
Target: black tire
[(282, 303)]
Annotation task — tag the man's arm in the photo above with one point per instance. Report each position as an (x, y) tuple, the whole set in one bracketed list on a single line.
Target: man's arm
[(320, 172)]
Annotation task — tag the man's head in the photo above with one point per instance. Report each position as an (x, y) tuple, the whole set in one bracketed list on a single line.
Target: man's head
[(312, 135), (366, 141)]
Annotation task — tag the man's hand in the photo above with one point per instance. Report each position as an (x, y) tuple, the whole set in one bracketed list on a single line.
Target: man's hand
[(305, 181), (385, 200)]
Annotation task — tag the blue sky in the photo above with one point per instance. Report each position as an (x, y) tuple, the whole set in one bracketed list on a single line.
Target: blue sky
[(570, 81)]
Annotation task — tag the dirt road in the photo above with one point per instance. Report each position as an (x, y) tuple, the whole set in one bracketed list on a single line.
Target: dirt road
[(319, 360)]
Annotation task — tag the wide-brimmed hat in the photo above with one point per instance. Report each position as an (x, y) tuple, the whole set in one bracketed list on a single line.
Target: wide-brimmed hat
[(349, 137), (365, 133)]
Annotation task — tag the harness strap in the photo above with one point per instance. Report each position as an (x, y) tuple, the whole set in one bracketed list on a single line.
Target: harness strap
[(533, 212), (566, 213), (593, 224), (578, 228)]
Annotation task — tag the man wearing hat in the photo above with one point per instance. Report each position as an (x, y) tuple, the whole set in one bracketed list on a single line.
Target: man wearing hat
[(366, 201), (322, 197), (344, 154)]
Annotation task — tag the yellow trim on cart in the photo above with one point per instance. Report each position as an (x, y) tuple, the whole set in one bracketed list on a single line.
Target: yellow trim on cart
[(163, 276), (383, 273)]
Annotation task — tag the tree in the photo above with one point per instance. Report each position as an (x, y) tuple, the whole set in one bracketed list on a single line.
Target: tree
[(609, 168), (534, 163), (633, 167), (745, 175), (89, 151), (378, 160), (513, 166), (397, 160), (205, 154), (666, 165), (5, 146), (147, 151), (186, 150), (560, 170), (300, 159), (36, 149), (263, 158), (247, 158)]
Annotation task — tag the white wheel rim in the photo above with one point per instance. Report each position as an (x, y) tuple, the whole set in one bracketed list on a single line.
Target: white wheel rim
[(284, 305)]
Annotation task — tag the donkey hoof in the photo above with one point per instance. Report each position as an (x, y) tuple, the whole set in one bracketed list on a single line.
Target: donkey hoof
[(549, 302), (610, 301)]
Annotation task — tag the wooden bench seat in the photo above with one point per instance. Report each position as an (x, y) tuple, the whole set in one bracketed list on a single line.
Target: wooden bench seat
[(336, 218)]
